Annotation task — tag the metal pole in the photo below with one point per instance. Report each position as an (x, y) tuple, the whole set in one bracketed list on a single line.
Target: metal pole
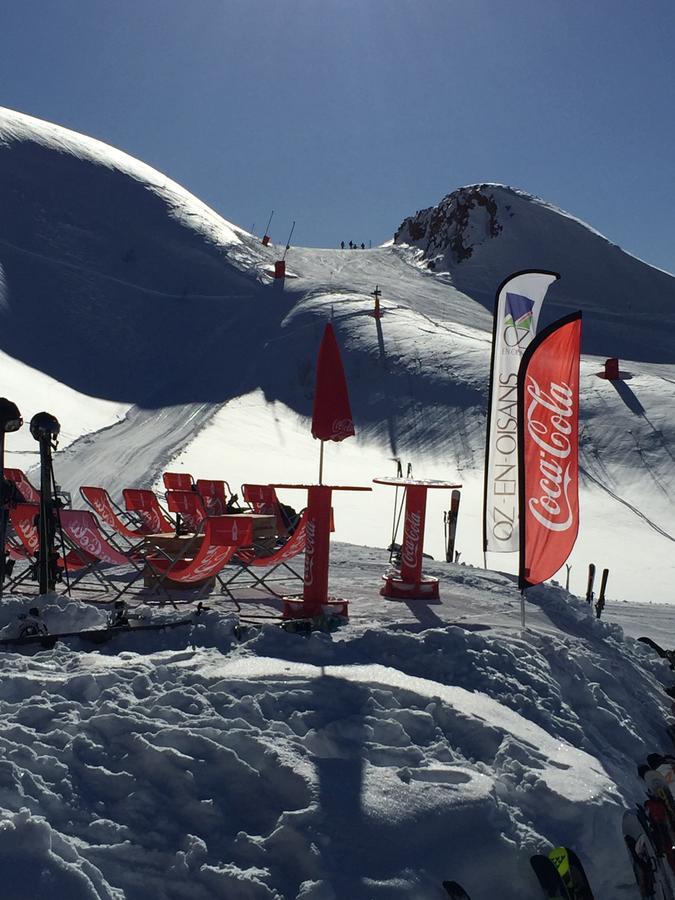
[(321, 464), (288, 242), (45, 512)]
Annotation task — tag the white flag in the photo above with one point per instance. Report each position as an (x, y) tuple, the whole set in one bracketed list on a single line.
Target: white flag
[(519, 302)]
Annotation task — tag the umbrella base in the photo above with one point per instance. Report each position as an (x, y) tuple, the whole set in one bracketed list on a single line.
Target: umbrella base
[(397, 589)]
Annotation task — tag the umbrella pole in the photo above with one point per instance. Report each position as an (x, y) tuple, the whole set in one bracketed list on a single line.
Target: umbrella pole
[(321, 464)]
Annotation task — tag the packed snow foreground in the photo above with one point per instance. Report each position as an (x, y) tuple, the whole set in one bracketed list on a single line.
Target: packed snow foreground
[(419, 742)]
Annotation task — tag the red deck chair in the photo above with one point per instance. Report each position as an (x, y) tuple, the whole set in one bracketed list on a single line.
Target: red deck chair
[(111, 514), (82, 531), (263, 500), (223, 536), (189, 506), (272, 561), (29, 493), (214, 494), (146, 505), (23, 518), (178, 481)]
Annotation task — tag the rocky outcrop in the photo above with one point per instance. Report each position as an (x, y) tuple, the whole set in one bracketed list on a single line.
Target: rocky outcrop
[(448, 233)]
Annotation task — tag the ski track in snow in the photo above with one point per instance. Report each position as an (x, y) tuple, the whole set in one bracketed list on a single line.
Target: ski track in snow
[(140, 447), (657, 528), (96, 275)]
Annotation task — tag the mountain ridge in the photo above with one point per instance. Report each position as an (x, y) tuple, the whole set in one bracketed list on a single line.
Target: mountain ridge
[(480, 233)]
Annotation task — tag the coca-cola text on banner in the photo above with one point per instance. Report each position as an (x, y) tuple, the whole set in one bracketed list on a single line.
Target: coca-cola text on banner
[(517, 307), (548, 437)]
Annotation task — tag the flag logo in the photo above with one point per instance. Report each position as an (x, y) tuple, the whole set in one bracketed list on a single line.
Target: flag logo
[(519, 312)]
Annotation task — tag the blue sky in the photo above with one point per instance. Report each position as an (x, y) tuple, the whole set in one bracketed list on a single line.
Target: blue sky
[(349, 116)]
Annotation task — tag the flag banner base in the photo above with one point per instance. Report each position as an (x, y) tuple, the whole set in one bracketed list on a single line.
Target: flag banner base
[(395, 588), (297, 608), (621, 376)]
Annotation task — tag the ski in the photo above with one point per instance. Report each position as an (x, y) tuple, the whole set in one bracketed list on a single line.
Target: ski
[(590, 582), (656, 647), (600, 603), (92, 635), (455, 891), (652, 880), (451, 519), (668, 655), (572, 873), (550, 881)]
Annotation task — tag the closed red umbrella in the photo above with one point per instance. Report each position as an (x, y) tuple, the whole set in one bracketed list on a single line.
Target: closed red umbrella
[(332, 413)]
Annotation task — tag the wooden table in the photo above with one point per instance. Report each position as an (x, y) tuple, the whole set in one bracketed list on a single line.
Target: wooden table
[(184, 546), (410, 582)]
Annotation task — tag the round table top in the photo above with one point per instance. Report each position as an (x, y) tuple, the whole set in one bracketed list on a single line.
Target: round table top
[(415, 482), (333, 487)]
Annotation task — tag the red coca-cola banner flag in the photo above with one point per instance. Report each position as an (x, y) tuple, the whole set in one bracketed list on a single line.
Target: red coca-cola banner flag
[(548, 441), (332, 414)]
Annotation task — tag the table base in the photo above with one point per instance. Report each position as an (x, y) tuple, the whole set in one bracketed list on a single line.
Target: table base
[(398, 589), (296, 608)]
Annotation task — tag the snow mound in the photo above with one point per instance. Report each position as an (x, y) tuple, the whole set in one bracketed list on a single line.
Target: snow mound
[(365, 763)]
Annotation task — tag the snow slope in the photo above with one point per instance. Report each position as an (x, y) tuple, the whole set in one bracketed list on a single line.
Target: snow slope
[(159, 305), (108, 240)]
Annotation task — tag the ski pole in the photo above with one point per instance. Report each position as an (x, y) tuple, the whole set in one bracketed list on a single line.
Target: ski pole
[(397, 514)]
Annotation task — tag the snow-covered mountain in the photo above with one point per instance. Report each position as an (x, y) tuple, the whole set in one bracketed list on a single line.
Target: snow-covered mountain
[(125, 289), (480, 234)]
